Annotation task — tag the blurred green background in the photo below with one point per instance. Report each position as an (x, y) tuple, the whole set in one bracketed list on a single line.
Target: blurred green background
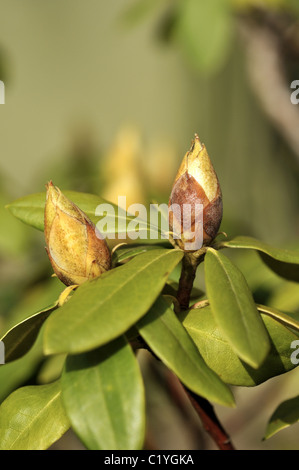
[(105, 97)]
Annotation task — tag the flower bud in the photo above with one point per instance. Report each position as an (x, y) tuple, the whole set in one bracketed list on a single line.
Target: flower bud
[(195, 184), (76, 251)]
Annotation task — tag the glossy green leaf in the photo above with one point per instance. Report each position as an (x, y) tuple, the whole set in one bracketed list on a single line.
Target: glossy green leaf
[(21, 337), (286, 414), (103, 395), (234, 309), (106, 307), (168, 339), (219, 355), (204, 31), (30, 210), (283, 262), (32, 418)]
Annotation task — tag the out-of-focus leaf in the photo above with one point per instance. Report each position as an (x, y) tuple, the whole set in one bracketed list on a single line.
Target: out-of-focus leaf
[(32, 418), (286, 414), (13, 238), (51, 369), (283, 262), (219, 355), (18, 372), (204, 31), (21, 337), (105, 308), (285, 297), (103, 395), (168, 339), (39, 294), (234, 309)]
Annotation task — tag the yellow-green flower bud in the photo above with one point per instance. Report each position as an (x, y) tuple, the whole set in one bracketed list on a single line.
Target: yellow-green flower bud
[(196, 183), (75, 248)]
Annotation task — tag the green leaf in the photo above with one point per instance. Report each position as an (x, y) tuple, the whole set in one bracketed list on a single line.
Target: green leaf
[(102, 309), (285, 296), (234, 309), (283, 262), (204, 31), (21, 337), (103, 394), (219, 355), (168, 339), (14, 240), (32, 418), (286, 414)]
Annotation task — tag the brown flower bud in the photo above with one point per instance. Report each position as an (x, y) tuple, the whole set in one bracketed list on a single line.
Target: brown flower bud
[(196, 183), (75, 248)]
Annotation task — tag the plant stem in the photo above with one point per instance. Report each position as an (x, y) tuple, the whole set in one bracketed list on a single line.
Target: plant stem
[(189, 267), (210, 421), (202, 406)]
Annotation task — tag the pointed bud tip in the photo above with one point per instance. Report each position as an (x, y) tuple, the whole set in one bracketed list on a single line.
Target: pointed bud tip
[(52, 190), (196, 143), (49, 185)]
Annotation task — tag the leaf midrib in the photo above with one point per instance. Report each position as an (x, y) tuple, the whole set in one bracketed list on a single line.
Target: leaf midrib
[(243, 318), (91, 311)]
